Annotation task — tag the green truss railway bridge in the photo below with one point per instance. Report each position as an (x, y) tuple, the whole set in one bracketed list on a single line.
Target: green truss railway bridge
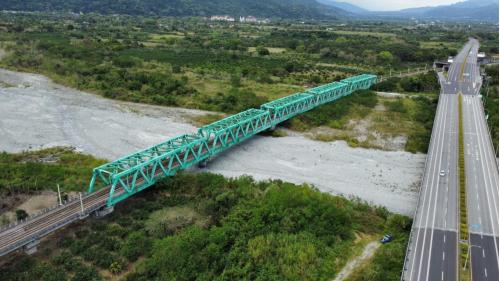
[(117, 180)]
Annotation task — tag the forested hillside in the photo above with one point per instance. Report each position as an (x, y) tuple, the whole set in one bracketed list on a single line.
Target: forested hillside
[(260, 8)]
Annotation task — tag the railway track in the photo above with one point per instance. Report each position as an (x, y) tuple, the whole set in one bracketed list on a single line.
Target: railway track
[(39, 226)]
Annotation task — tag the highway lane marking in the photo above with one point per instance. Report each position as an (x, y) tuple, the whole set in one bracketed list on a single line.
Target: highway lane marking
[(442, 275), (427, 192), (443, 255), (469, 183), (436, 193), (442, 106), (483, 254), (427, 175), (485, 178), (481, 128), (487, 186), (485, 272)]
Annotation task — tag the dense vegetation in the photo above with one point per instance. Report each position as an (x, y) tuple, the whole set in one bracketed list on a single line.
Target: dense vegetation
[(196, 63), (206, 227), (490, 96), (334, 114), (41, 170), (427, 82), (262, 8), (200, 64), (418, 139)]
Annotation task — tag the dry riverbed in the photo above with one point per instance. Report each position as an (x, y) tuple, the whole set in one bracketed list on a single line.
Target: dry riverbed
[(37, 113)]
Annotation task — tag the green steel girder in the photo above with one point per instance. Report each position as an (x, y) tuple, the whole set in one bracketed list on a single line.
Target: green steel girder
[(133, 173), (329, 92), (289, 106), (363, 81), (231, 130)]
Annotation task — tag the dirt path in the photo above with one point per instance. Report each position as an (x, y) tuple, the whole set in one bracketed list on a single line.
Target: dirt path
[(37, 113), (368, 252)]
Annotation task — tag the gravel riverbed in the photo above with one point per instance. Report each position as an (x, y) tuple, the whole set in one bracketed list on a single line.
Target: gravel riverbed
[(37, 113)]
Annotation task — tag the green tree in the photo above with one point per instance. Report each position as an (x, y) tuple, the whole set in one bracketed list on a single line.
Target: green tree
[(136, 244), (385, 57), (21, 214), (116, 267), (262, 51), (235, 79)]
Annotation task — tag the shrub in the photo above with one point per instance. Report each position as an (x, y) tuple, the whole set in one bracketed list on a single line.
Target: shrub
[(169, 220), (21, 214)]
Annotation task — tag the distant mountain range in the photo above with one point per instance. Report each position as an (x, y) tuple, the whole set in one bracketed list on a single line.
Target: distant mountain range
[(297, 9), (471, 10), (351, 8)]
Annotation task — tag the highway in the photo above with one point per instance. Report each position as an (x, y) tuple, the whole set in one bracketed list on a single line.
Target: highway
[(481, 176), (432, 252), (433, 246)]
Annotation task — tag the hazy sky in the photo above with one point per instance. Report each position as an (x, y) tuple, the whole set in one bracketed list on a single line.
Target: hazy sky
[(388, 5)]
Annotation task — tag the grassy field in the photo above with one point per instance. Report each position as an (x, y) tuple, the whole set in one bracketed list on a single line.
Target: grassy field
[(366, 33), (440, 44), (161, 38), (43, 169), (367, 120), (270, 49), (211, 85)]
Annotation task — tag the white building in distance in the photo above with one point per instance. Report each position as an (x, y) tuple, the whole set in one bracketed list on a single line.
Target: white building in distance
[(222, 18)]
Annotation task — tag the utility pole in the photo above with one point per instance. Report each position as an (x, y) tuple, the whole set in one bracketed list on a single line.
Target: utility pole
[(81, 202), (59, 195)]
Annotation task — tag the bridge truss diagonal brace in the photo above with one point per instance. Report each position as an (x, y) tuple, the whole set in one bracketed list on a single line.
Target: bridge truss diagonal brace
[(136, 172), (234, 129), (155, 162)]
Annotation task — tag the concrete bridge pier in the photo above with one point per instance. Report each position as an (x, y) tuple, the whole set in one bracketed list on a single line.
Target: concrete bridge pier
[(31, 247), (104, 211), (203, 164)]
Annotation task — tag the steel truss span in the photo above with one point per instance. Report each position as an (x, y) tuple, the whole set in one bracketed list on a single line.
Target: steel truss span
[(135, 172), (117, 180)]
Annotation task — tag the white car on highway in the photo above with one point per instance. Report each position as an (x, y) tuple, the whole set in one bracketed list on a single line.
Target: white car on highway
[(442, 173)]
